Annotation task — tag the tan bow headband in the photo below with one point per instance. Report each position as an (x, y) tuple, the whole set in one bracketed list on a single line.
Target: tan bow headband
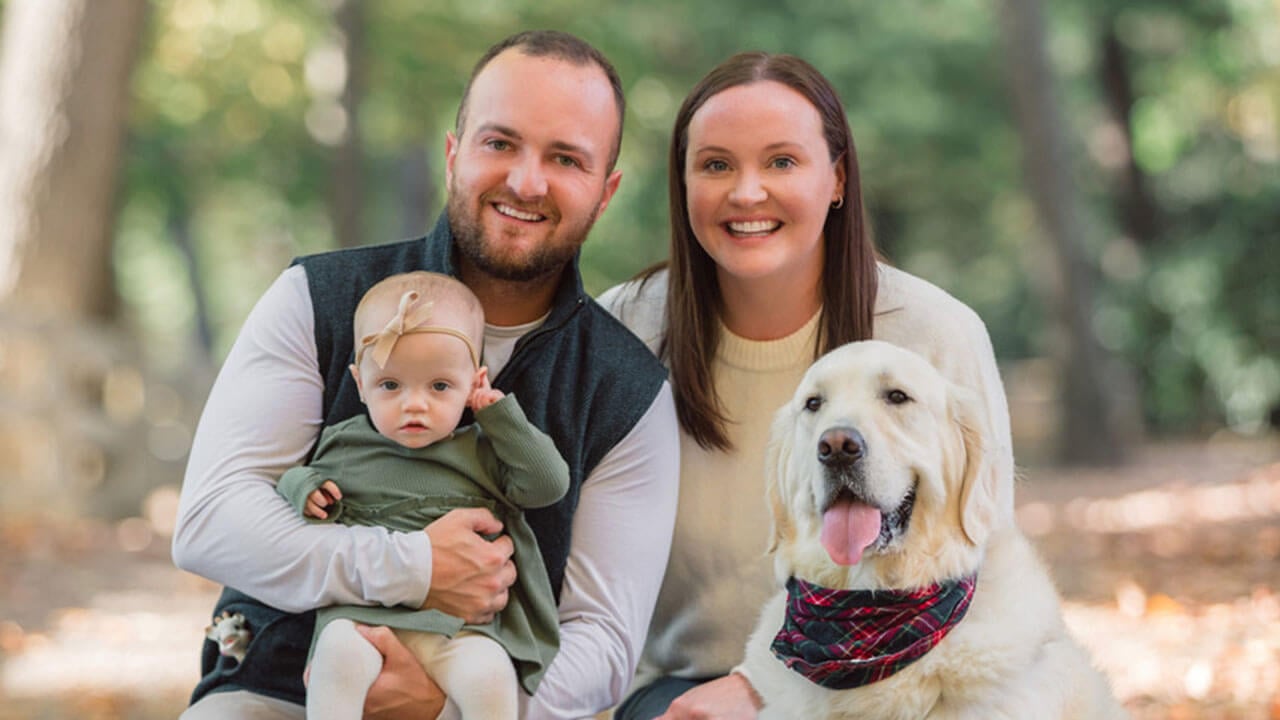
[(409, 318)]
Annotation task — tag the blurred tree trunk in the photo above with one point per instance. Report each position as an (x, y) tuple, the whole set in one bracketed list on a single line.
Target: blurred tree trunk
[(64, 87), (178, 226), (417, 190), (1135, 208), (64, 77), (347, 181), (1089, 431)]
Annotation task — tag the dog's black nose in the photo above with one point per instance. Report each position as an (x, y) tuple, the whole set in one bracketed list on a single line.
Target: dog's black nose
[(841, 446)]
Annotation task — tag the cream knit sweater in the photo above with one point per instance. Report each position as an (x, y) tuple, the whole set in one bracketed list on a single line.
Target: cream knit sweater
[(718, 576)]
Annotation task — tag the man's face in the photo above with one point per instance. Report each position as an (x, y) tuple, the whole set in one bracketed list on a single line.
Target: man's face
[(528, 174)]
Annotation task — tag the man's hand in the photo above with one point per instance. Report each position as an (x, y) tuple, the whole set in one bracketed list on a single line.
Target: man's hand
[(469, 574), (727, 698), (403, 690)]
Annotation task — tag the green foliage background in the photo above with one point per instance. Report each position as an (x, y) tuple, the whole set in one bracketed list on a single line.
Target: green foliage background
[(230, 93)]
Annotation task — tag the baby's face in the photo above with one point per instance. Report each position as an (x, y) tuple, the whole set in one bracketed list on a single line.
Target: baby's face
[(419, 397)]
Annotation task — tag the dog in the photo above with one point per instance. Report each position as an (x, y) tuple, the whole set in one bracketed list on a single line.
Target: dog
[(907, 596)]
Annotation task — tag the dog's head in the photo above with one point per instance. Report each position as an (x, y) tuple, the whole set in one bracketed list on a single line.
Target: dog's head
[(877, 475)]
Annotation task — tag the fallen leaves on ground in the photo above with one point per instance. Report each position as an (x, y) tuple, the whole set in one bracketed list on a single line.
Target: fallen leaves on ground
[(1169, 568)]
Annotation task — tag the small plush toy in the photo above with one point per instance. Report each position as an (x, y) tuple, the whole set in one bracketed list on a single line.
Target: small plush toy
[(229, 632)]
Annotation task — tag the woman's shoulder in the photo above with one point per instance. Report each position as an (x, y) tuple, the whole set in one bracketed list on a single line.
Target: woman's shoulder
[(640, 305), (915, 313)]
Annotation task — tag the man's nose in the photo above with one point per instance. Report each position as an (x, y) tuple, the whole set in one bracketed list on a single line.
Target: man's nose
[(526, 179)]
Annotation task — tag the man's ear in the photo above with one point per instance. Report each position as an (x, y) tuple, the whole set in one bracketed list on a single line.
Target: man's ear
[(610, 187), (450, 152)]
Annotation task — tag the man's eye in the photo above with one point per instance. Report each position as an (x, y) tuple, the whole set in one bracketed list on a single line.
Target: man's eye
[(566, 161), (813, 403), (497, 144), (897, 397)]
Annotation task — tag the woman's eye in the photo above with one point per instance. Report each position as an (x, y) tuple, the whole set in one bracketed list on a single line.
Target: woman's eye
[(813, 404), (782, 163), (897, 397), (716, 165)]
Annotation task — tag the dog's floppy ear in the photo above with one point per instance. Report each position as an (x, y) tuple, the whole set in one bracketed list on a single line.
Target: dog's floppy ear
[(778, 462), (978, 488)]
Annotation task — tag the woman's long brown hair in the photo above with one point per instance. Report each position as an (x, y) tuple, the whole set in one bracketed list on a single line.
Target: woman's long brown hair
[(694, 302)]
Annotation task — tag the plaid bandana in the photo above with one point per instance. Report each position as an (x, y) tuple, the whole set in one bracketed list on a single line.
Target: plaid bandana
[(843, 639)]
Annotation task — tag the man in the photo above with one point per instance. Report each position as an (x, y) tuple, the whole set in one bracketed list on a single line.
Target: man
[(530, 167)]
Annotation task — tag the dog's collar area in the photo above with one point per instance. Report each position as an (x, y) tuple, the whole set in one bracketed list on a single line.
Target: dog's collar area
[(842, 639)]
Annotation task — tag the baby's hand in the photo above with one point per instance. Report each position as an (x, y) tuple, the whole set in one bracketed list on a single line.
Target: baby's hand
[(482, 395), (324, 496)]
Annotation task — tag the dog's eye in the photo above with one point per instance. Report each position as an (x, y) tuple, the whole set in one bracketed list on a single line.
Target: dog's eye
[(897, 397), (813, 404)]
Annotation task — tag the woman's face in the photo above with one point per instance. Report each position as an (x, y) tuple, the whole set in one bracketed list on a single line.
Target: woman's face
[(760, 180)]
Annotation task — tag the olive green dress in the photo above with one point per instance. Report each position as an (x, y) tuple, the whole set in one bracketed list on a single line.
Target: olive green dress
[(502, 462)]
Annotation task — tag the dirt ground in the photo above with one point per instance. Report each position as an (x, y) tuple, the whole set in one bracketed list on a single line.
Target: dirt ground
[(1169, 568)]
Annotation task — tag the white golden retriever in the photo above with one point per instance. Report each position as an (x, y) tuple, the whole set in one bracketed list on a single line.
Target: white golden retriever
[(878, 482)]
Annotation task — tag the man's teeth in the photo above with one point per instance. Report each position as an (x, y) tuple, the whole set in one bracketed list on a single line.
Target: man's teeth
[(517, 214), (754, 226)]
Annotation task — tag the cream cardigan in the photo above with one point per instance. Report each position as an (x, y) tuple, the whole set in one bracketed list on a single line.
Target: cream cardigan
[(718, 577)]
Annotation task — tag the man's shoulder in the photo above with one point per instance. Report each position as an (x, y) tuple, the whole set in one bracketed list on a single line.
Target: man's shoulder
[(616, 345), (337, 279), (372, 256)]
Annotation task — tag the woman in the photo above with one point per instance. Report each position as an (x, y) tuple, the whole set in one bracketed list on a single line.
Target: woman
[(771, 266)]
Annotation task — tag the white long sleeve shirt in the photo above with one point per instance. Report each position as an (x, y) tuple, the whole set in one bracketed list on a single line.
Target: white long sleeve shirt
[(262, 416)]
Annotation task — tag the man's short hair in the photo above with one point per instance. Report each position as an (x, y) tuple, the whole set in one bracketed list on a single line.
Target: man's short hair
[(559, 46)]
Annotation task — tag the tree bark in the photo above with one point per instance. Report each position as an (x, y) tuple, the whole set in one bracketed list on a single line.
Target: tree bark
[(1089, 431), (65, 67), (1135, 208), (347, 180), (64, 79), (416, 190)]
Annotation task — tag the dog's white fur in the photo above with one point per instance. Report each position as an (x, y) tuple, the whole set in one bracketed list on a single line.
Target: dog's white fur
[(1011, 656)]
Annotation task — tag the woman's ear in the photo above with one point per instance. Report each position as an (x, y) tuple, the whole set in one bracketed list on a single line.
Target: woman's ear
[(840, 179)]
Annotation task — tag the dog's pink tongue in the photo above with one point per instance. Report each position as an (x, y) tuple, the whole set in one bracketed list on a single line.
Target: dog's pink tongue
[(847, 529)]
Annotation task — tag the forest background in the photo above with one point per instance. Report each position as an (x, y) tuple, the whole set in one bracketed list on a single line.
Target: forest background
[(1099, 180)]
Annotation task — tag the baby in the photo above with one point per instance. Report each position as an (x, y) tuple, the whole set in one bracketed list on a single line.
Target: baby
[(417, 368)]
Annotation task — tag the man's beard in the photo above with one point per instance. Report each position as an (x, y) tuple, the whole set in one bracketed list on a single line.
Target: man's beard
[(546, 259)]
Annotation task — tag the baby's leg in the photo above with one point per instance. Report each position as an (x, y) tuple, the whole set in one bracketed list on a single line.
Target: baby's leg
[(343, 666), (474, 671)]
